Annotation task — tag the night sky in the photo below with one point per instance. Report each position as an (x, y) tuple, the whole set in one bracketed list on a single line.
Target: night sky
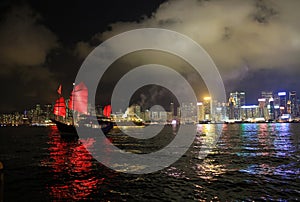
[(254, 43)]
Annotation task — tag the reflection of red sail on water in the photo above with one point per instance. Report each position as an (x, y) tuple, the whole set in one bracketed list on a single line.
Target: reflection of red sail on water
[(73, 168)]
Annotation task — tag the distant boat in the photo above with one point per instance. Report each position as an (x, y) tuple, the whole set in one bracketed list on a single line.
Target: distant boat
[(128, 119), (78, 102), (204, 121)]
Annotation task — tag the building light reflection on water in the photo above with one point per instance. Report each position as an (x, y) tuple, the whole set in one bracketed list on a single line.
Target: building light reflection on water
[(273, 141), (207, 137), (262, 149), (246, 159)]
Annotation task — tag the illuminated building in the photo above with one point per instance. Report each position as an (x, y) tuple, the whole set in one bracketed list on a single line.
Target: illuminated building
[(218, 111), (137, 110), (239, 98), (147, 116), (294, 104), (239, 101), (272, 109), (267, 95), (231, 108), (155, 116), (172, 110), (163, 116), (48, 111), (36, 114), (263, 110), (250, 111), (207, 108), (178, 111), (276, 103), (188, 112), (282, 102), (269, 103), (200, 111), (99, 109)]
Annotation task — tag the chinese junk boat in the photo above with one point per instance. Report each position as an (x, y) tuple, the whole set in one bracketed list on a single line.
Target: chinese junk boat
[(78, 102)]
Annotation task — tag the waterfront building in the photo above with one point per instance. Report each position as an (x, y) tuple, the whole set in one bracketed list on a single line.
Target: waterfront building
[(239, 99), (172, 114), (263, 109), (294, 104), (163, 116), (188, 113), (282, 102), (207, 106), (200, 111), (250, 112), (137, 110), (269, 103), (147, 115), (231, 108), (178, 111), (272, 109), (218, 111)]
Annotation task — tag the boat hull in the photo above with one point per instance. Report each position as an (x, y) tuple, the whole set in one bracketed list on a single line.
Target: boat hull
[(67, 130)]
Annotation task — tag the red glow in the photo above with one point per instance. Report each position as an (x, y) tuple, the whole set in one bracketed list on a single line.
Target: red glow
[(60, 107), (79, 98), (59, 89), (107, 110), (72, 168)]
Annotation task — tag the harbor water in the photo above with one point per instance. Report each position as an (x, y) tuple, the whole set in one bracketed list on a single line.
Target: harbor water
[(250, 162)]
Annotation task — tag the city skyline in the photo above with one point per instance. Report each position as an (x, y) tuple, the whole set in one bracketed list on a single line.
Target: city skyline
[(279, 105), (255, 44)]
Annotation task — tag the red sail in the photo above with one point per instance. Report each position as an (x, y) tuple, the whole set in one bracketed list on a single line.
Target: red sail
[(107, 110), (59, 89), (79, 98), (60, 107)]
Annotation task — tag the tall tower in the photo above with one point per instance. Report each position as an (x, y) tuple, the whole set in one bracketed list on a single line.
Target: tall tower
[(294, 104), (172, 110), (239, 100), (207, 108), (200, 111), (231, 106), (269, 104), (282, 102)]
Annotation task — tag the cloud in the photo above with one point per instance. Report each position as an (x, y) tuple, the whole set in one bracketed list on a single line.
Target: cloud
[(24, 46), (23, 40), (239, 35), (82, 49)]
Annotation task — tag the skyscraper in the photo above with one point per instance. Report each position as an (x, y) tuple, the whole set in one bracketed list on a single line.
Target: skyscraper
[(239, 101), (239, 98), (172, 110), (282, 102), (294, 104), (231, 107), (269, 104), (207, 108), (200, 111), (267, 94)]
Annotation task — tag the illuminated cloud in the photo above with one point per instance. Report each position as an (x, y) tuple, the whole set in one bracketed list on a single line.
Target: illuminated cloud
[(240, 36), (24, 46), (23, 40)]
